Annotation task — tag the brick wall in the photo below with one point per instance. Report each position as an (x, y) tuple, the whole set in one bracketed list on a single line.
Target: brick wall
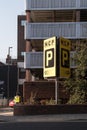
[(43, 90)]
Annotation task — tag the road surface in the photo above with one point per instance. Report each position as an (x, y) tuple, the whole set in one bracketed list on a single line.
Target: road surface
[(42, 122)]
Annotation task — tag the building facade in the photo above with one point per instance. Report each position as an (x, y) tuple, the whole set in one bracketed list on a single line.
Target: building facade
[(21, 45), (66, 18), (47, 18)]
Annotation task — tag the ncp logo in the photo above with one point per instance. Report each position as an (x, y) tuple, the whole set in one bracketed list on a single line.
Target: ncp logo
[(49, 58), (65, 60)]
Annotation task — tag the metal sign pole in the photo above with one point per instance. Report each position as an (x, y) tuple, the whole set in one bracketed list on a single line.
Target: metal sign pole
[(56, 90)]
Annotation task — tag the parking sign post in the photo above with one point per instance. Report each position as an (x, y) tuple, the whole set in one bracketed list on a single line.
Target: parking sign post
[(56, 60)]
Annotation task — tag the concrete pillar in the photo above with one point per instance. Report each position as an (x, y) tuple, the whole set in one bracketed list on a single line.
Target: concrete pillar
[(54, 16), (28, 48), (28, 13), (33, 77), (77, 16), (74, 16)]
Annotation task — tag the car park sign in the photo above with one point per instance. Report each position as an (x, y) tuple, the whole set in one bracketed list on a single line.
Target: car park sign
[(49, 57), (56, 57), (64, 52)]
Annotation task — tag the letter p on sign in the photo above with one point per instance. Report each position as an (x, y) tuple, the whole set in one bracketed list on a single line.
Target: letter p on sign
[(49, 61)]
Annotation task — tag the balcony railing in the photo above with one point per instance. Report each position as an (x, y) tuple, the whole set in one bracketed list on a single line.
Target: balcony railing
[(70, 30), (55, 4), (35, 60)]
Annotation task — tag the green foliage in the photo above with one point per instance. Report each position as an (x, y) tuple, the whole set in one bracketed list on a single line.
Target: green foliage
[(50, 102), (77, 83)]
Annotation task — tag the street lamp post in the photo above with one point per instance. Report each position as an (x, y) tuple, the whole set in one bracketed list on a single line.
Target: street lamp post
[(9, 62)]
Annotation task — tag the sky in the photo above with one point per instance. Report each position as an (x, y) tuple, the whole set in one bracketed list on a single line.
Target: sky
[(9, 10)]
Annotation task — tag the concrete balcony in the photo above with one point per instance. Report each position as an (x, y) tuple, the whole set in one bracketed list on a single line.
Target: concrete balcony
[(70, 30), (55, 4), (34, 60)]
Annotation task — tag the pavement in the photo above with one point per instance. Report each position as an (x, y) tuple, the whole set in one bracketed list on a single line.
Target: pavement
[(7, 115)]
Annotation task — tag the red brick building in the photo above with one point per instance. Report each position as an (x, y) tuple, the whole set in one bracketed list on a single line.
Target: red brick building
[(21, 45)]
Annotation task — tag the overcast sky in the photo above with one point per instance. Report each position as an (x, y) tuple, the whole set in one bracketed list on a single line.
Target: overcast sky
[(9, 9)]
